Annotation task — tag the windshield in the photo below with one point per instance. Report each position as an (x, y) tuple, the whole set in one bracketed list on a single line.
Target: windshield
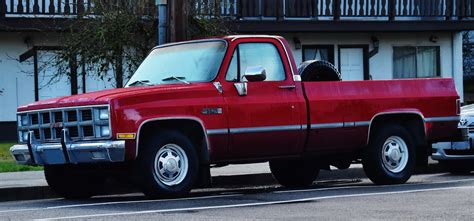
[(182, 63)]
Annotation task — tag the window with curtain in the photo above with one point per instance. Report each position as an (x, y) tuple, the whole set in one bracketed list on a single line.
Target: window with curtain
[(318, 52), (416, 62)]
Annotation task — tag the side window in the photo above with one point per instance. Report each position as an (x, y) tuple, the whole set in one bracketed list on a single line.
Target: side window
[(232, 71), (256, 54)]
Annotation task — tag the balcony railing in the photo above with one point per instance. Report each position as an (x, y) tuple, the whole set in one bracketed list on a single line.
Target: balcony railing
[(48, 8), (337, 9)]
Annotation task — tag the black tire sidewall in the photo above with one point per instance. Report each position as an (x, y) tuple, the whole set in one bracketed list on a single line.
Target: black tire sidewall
[(149, 183), (373, 162)]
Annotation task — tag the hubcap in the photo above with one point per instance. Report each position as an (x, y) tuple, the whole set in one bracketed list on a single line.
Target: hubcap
[(395, 154), (171, 165)]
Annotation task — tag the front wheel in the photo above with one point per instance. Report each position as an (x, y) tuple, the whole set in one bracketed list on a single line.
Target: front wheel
[(390, 156), (167, 166)]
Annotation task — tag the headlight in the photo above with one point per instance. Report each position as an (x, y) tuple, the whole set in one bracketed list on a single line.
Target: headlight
[(104, 131), (103, 114)]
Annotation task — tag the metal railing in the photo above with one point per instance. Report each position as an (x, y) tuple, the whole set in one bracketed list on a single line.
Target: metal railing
[(45, 8), (336, 9)]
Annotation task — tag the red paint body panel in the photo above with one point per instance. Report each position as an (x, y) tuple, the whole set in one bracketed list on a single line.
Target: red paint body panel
[(267, 105), (360, 101)]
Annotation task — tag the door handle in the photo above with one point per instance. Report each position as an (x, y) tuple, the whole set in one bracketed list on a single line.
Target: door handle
[(290, 87)]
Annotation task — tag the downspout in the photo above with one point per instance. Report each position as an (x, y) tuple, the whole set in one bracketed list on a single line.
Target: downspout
[(162, 20)]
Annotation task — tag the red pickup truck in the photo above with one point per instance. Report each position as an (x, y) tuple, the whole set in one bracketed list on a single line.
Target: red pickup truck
[(237, 99)]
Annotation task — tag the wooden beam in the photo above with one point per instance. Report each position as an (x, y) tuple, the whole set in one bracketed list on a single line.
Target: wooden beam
[(347, 26)]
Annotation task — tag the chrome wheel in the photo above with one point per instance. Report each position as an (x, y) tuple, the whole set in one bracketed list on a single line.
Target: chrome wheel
[(395, 154), (171, 165)]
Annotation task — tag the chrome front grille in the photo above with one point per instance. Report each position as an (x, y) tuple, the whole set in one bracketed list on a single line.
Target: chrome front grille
[(83, 123)]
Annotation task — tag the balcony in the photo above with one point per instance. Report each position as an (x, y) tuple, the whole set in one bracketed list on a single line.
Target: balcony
[(340, 15), (54, 14), (270, 15)]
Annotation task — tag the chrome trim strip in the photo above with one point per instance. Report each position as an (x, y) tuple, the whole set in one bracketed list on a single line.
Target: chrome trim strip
[(217, 131), (65, 108), (264, 129), (170, 118), (362, 123), (442, 119), (327, 126)]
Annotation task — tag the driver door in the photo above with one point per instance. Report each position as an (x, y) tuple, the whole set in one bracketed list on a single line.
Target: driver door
[(266, 121)]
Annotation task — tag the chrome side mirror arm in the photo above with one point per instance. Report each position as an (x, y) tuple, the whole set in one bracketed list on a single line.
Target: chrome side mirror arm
[(241, 88)]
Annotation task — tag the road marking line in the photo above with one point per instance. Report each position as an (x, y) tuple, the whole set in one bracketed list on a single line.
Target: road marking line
[(118, 202), (371, 186), (250, 204)]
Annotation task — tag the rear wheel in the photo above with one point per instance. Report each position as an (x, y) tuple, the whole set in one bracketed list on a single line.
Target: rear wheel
[(168, 165), (390, 156), (294, 173), (74, 182)]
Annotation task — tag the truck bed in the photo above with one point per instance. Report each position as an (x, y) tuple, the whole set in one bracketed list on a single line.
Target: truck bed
[(352, 105)]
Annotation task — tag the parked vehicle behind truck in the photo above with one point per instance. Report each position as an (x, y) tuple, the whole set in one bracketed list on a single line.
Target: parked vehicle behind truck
[(235, 99), (458, 157)]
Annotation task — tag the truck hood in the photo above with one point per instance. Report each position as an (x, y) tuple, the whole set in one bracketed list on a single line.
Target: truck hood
[(104, 96)]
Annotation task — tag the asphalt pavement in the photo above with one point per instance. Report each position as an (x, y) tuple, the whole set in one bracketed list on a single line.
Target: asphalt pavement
[(335, 195)]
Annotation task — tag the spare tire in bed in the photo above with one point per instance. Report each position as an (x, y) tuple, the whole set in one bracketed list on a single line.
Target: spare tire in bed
[(314, 70)]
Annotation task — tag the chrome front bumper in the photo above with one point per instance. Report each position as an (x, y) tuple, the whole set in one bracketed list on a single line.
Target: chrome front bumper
[(68, 152), (462, 150)]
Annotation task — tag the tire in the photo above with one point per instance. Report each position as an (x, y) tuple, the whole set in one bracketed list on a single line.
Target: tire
[(294, 173), (460, 167), (167, 166), (318, 71), (390, 157), (73, 182)]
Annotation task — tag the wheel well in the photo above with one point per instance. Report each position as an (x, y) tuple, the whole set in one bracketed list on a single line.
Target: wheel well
[(413, 122), (190, 128)]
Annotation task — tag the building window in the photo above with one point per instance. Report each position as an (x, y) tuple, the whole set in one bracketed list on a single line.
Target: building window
[(318, 52), (416, 62)]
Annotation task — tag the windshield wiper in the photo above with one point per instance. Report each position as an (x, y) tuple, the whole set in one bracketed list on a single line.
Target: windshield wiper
[(178, 78), (140, 82)]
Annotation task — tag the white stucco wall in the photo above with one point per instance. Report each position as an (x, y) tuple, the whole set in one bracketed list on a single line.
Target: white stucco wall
[(381, 65), (17, 81)]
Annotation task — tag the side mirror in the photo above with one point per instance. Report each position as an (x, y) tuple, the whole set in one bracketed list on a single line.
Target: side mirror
[(255, 73)]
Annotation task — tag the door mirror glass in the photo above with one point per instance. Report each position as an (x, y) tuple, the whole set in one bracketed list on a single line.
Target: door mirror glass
[(255, 73)]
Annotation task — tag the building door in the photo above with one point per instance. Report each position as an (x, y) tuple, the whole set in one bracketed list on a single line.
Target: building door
[(353, 63)]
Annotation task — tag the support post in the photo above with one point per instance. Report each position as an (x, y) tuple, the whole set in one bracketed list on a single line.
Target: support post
[(162, 20), (3, 8)]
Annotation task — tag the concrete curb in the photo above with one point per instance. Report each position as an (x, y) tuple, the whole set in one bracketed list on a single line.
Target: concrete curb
[(44, 192)]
